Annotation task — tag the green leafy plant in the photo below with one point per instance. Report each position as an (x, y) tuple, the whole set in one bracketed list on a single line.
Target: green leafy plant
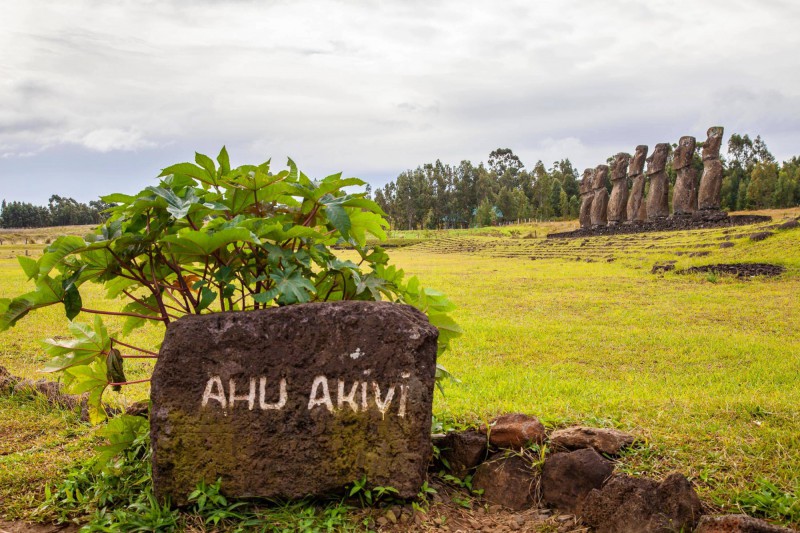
[(211, 238), (770, 501)]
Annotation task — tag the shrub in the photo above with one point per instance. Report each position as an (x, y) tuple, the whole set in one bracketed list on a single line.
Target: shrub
[(209, 238)]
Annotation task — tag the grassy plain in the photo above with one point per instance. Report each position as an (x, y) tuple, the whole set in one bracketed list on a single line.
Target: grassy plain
[(704, 368)]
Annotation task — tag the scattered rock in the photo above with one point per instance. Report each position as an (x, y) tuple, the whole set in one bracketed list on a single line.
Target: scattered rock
[(637, 505), (568, 477), (7, 381), (663, 267), (141, 408), (727, 245), (741, 270), (463, 451), (760, 236), (791, 224), (508, 481), (514, 431), (700, 220), (737, 523), (604, 440), (700, 254)]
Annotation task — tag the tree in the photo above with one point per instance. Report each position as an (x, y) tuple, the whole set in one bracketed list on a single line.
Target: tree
[(504, 159)]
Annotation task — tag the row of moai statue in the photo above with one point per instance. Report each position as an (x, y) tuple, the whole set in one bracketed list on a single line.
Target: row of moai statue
[(598, 208)]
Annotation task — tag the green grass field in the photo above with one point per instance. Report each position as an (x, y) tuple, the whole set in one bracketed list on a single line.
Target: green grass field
[(704, 368)]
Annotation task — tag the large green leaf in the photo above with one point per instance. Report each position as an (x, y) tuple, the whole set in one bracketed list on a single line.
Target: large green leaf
[(48, 292), (199, 244), (88, 343), (339, 219), (29, 265), (89, 378), (290, 287), (188, 169), (364, 222), (56, 252)]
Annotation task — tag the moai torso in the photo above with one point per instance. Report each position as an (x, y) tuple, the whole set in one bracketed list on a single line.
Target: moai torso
[(618, 202), (600, 200), (587, 195), (657, 199), (637, 210), (684, 193), (711, 183)]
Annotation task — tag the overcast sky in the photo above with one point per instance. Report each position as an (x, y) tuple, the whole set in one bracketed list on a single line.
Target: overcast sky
[(98, 96)]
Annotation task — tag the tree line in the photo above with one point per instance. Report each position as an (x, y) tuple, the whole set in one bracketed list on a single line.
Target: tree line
[(440, 196), (59, 211)]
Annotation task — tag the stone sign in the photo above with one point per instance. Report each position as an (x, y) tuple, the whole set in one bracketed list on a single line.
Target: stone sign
[(294, 401)]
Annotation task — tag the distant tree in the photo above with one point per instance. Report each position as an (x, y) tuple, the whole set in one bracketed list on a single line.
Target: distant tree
[(486, 214), (504, 159)]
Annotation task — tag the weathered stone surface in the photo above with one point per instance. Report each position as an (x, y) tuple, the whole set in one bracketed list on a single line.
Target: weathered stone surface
[(294, 401), (568, 477), (634, 505), (463, 450), (7, 381), (604, 440), (637, 209), (515, 431), (600, 201), (737, 523), (709, 195), (587, 195), (141, 408), (657, 197), (683, 194), (618, 202), (509, 481)]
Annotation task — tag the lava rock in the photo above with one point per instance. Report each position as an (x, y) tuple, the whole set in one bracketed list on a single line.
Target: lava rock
[(141, 408), (507, 480), (514, 431), (568, 477), (737, 523), (294, 401), (604, 440), (637, 505), (761, 235), (7, 380), (463, 450)]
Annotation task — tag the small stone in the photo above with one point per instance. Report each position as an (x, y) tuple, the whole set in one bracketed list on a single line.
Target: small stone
[(564, 517), (382, 521), (141, 408), (515, 431), (760, 236), (508, 481), (632, 505), (463, 451), (737, 523), (604, 440), (520, 520), (391, 516), (494, 509), (567, 478)]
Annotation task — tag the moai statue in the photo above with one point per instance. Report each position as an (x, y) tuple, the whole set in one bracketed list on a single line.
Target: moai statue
[(587, 195), (600, 200), (684, 191), (657, 198), (637, 209), (618, 203), (711, 183)]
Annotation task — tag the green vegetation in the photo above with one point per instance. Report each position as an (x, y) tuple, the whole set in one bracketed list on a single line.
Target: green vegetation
[(58, 212), (210, 238), (705, 371), (438, 196)]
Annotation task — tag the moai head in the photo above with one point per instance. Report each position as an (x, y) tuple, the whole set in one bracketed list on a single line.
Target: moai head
[(657, 161), (586, 181), (683, 153), (636, 166), (620, 169), (712, 144), (600, 177)]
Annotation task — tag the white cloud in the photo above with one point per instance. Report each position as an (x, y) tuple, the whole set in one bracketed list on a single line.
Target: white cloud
[(374, 88), (109, 139)]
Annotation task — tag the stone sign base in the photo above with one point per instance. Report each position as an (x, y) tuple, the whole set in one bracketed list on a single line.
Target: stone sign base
[(294, 401)]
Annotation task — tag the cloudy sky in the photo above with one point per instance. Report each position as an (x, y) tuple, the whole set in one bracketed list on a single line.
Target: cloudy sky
[(97, 96)]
